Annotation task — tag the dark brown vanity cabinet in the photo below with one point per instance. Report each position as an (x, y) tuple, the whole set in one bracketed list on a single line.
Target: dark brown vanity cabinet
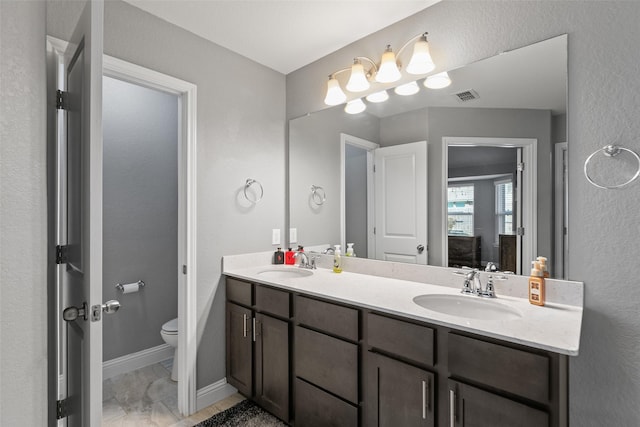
[(326, 364), (258, 337)]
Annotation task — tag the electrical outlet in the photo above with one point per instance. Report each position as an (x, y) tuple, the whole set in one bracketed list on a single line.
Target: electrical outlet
[(275, 236), (293, 235)]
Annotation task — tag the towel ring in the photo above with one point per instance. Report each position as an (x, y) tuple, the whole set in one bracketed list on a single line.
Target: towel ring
[(318, 195), (611, 151), (247, 185)]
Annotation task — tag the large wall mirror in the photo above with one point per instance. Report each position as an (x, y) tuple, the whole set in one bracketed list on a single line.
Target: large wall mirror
[(461, 176)]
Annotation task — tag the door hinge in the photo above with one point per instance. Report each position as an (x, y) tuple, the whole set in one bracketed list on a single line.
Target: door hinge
[(374, 230), (520, 231), (62, 254), (374, 168), (520, 167), (62, 409), (184, 269), (62, 100)]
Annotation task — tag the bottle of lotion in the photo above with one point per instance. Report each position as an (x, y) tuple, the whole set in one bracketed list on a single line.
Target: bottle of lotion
[(337, 260), (536, 285)]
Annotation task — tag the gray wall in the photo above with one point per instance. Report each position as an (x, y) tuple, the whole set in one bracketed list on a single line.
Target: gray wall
[(140, 213), (314, 150), (356, 199), (23, 210), (240, 135), (604, 378)]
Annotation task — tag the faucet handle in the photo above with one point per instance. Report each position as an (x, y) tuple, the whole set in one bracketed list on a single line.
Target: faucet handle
[(490, 291)]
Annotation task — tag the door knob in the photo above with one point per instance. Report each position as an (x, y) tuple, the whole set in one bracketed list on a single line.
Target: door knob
[(108, 307), (72, 313), (420, 248)]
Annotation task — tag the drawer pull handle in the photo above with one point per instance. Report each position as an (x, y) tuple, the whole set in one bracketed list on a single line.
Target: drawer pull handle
[(424, 400), (244, 325), (452, 408), (254, 329)]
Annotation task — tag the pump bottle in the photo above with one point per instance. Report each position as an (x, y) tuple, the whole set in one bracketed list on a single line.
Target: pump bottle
[(337, 260), (536, 285)]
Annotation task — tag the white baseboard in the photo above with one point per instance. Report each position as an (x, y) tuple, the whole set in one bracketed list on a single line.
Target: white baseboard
[(214, 393), (133, 361)]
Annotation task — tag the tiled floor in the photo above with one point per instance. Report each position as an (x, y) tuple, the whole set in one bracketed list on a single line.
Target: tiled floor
[(148, 397)]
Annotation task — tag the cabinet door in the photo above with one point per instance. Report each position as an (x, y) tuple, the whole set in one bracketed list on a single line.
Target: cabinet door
[(472, 407), (398, 394), (272, 365), (239, 345)]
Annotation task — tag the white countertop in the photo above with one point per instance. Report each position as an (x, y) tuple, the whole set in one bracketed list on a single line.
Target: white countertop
[(554, 327)]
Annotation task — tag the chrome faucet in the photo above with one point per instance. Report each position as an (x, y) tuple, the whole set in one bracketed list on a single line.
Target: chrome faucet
[(305, 262), (329, 250), (473, 285)]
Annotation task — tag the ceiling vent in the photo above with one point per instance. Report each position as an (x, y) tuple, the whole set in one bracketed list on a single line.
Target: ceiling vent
[(467, 95)]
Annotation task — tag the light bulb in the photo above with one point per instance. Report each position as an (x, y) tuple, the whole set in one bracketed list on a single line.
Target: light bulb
[(378, 96), (335, 95), (421, 62), (358, 81), (356, 106), (388, 72), (438, 81), (406, 89)]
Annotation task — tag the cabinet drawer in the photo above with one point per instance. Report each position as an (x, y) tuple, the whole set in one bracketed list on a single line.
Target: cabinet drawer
[(315, 408), (239, 291), (515, 371), (407, 340), (327, 362), (331, 318), (273, 301)]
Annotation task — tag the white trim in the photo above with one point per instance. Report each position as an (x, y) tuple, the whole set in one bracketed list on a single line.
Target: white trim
[(137, 360), (561, 185), (529, 187), (213, 393), (187, 231), (369, 147)]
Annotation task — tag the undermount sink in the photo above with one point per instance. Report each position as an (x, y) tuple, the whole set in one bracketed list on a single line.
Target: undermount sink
[(285, 273), (468, 306)]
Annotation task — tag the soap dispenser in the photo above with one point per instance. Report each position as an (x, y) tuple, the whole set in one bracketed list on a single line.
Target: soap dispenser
[(337, 260), (350, 250), (536, 285)]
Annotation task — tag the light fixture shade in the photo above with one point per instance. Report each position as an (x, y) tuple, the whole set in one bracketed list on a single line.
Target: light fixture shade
[(356, 106), (378, 96), (388, 71), (438, 81), (421, 62), (335, 95), (407, 89), (358, 81)]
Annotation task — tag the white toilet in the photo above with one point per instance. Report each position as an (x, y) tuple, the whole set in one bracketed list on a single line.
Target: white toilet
[(169, 334)]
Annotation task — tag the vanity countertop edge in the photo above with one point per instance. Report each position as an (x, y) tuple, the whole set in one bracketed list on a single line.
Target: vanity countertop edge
[(555, 327)]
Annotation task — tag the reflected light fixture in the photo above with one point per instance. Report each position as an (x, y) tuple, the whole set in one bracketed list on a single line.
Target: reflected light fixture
[(388, 71), (358, 81), (407, 89), (438, 81), (378, 96), (356, 106), (335, 95)]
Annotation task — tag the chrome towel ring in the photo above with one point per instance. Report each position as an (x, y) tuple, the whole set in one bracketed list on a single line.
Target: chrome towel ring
[(318, 195), (611, 150), (247, 185)]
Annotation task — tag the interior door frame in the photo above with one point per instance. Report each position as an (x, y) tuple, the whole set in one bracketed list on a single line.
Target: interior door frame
[(561, 210), (369, 147), (187, 209), (529, 187)]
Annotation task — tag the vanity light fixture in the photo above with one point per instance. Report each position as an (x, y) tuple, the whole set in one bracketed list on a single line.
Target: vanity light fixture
[(387, 72), (378, 96), (354, 107), (438, 81), (407, 89)]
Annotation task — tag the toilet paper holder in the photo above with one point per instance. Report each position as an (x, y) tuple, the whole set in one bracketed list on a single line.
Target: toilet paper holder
[(121, 286)]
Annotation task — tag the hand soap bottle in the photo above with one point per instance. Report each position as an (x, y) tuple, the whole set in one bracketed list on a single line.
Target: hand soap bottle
[(288, 257), (536, 285), (350, 250), (543, 266), (337, 260), (278, 256)]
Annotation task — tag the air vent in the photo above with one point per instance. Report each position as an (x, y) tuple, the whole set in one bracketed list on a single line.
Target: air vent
[(467, 95)]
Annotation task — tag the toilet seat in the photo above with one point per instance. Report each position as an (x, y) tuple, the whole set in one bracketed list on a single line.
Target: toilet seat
[(170, 327)]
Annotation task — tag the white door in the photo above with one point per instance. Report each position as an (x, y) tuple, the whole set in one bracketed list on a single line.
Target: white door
[(401, 203), (80, 220)]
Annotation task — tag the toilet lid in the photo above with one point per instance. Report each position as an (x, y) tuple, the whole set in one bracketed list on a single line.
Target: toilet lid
[(171, 326)]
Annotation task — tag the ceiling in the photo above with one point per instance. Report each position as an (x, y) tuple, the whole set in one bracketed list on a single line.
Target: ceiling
[(284, 35)]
